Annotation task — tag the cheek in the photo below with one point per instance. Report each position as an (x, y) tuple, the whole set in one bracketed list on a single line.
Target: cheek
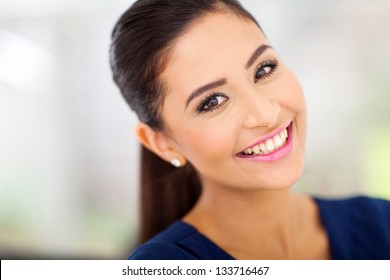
[(294, 98), (297, 104), (206, 144)]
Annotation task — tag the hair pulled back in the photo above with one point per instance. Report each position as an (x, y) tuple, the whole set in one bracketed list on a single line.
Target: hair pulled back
[(140, 50)]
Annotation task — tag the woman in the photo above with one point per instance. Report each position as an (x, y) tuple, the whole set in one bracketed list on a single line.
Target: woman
[(223, 126)]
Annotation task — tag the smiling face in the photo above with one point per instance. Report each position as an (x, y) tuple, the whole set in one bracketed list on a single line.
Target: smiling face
[(230, 104)]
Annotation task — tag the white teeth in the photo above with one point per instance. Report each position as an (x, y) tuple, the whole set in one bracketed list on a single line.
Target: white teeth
[(278, 141), (270, 145), (283, 135)]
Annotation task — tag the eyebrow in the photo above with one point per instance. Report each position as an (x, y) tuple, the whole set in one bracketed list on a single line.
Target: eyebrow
[(199, 91), (207, 87), (258, 52)]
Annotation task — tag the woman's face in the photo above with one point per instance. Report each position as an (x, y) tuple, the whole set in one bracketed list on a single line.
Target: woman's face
[(230, 101)]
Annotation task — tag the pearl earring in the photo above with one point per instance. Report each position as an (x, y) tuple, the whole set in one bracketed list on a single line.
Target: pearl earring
[(176, 162)]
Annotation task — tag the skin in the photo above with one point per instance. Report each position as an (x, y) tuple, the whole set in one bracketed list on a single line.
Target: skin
[(244, 200)]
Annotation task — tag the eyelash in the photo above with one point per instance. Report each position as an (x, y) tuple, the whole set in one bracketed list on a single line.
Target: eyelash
[(207, 99), (273, 64)]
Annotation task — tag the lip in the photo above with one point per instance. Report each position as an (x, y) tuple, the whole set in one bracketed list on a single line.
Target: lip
[(275, 155)]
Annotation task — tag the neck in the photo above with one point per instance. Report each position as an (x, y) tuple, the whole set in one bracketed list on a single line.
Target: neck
[(266, 221)]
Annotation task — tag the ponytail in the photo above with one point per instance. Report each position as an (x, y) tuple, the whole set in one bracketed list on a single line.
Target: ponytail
[(167, 193)]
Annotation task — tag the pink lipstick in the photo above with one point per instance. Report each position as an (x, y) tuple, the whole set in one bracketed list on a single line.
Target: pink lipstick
[(271, 147)]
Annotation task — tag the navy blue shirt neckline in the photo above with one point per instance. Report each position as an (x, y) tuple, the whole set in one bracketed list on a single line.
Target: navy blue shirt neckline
[(357, 228), (218, 252), (189, 229)]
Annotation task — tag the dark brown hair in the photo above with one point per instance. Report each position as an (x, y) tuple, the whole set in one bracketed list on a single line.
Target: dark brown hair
[(140, 49)]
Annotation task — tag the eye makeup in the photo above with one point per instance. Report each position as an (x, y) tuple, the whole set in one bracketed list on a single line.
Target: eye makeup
[(214, 101), (265, 69)]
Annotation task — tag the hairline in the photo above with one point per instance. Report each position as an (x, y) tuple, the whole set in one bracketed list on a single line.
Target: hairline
[(167, 53)]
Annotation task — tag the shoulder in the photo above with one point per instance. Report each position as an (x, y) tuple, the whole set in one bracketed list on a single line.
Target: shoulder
[(366, 208), (358, 227), (166, 245), (160, 251), (180, 241)]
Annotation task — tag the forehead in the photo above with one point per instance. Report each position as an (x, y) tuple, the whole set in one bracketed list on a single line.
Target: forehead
[(212, 47)]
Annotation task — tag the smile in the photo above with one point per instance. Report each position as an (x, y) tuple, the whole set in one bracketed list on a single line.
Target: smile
[(271, 148)]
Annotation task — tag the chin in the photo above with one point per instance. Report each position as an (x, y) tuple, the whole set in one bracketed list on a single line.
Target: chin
[(287, 181), (279, 180)]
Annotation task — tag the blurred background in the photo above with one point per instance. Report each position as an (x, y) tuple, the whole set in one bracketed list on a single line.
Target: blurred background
[(68, 153)]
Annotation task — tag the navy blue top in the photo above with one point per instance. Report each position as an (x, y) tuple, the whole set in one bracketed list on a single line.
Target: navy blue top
[(358, 228)]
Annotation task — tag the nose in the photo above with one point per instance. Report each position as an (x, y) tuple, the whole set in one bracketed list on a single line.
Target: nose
[(261, 112)]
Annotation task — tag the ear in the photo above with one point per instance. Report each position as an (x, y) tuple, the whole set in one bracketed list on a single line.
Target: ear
[(158, 143)]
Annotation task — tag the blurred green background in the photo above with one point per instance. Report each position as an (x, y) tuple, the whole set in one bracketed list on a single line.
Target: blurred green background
[(68, 153)]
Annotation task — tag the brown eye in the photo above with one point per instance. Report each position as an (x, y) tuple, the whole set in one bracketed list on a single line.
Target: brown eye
[(265, 69), (212, 102), (262, 72)]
